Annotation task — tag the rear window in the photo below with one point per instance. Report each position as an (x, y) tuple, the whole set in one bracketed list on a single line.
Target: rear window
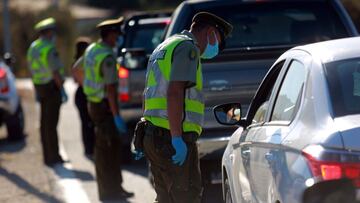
[(344, 85), (146, 36), (277, 23)]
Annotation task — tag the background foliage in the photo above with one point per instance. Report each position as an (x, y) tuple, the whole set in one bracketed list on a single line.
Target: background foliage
[(22, 34)]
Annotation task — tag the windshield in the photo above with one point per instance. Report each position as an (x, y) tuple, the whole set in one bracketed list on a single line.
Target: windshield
[(344, 85), (278, 23), (145, 36)]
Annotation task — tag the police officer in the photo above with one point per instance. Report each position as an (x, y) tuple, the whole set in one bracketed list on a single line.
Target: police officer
[(174, 107), (100, 87), (47, 75), (87, 126)]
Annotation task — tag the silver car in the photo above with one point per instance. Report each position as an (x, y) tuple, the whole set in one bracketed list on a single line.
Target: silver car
[(302, 126)]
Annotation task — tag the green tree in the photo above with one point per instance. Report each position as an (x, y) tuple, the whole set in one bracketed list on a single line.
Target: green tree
[(23, 33)]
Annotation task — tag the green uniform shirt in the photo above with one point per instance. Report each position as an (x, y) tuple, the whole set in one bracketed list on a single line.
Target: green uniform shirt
[(185, 61), (108, 69), (54, 60)]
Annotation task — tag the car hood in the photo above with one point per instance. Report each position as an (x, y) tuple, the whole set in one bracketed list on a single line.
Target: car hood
[(349, 128)]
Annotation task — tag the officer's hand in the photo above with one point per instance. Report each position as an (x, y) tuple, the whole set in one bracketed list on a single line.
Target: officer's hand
[(138, 155), (120, 124), (64, 96), (180, 148)]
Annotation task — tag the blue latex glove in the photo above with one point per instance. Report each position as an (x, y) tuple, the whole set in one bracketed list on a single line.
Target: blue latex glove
[(180, 148), (120, 124), (138, 155), (64, 96)]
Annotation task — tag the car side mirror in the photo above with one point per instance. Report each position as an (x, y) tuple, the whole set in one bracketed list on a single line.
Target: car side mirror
[(228, 114), (334, 191), (134, 58)]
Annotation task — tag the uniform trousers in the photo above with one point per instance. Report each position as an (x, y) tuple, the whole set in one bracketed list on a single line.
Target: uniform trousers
[(87, 126), (50, 101), (107, 151), (173, 183)]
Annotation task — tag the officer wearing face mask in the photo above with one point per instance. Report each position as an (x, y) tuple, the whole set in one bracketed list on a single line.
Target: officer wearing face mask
[(47, 74), (174, 107)]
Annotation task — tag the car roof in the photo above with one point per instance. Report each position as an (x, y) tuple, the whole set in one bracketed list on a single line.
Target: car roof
[(149, 15), (243, 1), (333, 50)]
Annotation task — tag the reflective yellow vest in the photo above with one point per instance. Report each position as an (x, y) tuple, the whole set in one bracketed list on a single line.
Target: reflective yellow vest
[(93, 81), (37, 57), (157, 82)]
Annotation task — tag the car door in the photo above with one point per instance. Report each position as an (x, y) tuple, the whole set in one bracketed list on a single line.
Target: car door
[(267, 157), (241, 151)]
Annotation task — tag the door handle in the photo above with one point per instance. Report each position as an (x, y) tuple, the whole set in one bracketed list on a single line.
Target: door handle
[(219, 85), (245, 153)]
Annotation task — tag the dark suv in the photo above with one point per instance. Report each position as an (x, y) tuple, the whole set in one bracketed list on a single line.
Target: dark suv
[(262, 31)]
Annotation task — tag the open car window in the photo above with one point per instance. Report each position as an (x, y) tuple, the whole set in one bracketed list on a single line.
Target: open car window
[(259, 106)]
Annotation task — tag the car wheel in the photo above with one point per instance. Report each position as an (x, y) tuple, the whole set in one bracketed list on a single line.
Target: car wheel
[(15, 124), (227, 192)]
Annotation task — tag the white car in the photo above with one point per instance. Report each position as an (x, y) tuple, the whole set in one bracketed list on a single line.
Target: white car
[(303, 126), (11, 112)]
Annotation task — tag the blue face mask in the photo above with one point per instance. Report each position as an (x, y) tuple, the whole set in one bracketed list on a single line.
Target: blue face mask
[(211, 50)]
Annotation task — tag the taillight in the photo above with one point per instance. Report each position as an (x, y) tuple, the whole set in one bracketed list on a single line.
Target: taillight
[(333, 164), (167, 22), (123, 74), (4, 86)]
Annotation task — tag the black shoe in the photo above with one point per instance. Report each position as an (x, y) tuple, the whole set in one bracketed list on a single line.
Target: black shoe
[(125, 194), (59, 160)]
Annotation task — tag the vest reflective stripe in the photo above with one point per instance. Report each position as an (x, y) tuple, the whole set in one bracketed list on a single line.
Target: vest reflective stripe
[(93, 81), (194, 117), (37, 57), (158, 76), (161, 103)]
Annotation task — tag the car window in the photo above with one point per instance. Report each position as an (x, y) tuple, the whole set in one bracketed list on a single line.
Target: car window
[(344, 85), (277, 23), (145, 36), (290, 93), (260, 113), (260, 103)]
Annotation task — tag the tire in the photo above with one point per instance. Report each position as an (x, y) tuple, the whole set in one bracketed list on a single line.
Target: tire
[(205, 168), (15, 125), (227, 191)]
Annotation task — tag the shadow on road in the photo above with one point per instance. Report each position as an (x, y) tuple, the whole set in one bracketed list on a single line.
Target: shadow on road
[(65, 172), (138, 167), (21, 183), (11, 146)]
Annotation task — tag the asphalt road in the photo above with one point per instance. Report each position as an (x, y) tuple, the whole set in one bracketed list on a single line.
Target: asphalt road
[(78, 176)]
